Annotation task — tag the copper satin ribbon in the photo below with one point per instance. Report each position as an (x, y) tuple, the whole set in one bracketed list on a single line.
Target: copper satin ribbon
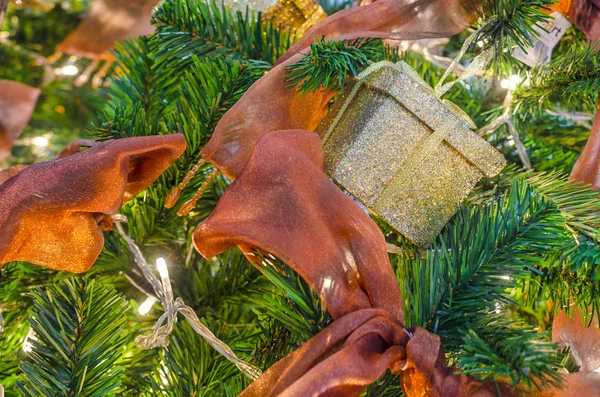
[(358, 348), (391, 19), (50, 212), (17, 102), (587, 167), (106, 22), (585, 14), (284, 204)]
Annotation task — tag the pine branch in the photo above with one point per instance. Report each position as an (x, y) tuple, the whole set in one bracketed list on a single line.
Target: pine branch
[(294, 304), (490, 352), (509, 23), (513, 21), (289, 312), (569, 277), (203, 29), (78, 323), (135, 84), (486, 251), (16, 279), (329, 63), (216, 293), (568, 80), (578, 204)]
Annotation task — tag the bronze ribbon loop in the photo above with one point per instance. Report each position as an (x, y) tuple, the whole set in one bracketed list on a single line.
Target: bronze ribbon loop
[(59, 227)]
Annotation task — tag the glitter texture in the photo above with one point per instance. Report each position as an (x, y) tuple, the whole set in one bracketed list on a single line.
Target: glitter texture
[(405, 154), (297, 15)]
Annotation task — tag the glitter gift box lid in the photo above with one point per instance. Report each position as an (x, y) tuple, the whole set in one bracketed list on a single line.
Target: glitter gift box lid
[(410, 157)]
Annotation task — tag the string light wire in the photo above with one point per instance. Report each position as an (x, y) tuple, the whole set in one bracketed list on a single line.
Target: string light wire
[(166, 322)]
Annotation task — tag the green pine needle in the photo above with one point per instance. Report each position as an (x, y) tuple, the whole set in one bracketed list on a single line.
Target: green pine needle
[(513, 21), (79, 327), (331, 62), (500, 348), (570, 79)]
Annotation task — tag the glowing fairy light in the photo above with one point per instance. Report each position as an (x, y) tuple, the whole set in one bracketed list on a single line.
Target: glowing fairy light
[(146, 306), (498, 308), (161, 266), (163, 373), (511, 83), (69, 70), (27, 346), (40, 141)]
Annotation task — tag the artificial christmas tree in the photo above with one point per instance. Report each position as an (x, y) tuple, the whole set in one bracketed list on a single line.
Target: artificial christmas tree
[(522, 245)]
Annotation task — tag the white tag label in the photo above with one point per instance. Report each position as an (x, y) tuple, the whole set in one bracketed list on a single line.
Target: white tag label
[(541, 51)]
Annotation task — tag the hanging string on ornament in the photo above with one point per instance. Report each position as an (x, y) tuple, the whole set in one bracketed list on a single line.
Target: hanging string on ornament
[(189, 205), (176, 191)]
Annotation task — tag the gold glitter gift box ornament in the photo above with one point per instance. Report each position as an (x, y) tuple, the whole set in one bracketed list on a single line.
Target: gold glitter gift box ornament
[(408, 156), (295, 15)]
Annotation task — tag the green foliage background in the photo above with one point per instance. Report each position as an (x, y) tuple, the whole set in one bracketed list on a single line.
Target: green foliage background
[(524, 244)]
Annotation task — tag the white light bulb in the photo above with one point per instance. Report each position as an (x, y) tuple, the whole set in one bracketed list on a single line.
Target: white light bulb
[(505, 277), (145, 307), (498, 308), (27, 346), (40, 141), (69, 70), (511, 83), (161, 265), (163, 373)]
